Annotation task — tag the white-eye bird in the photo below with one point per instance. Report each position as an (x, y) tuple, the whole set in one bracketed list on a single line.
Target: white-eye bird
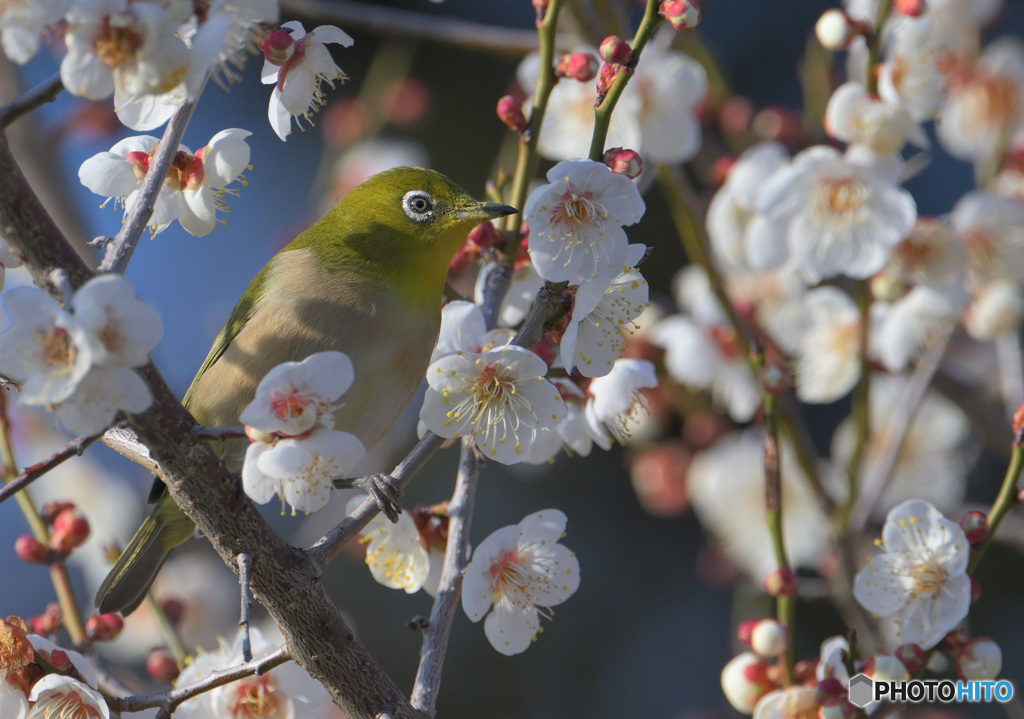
[(366, 279)]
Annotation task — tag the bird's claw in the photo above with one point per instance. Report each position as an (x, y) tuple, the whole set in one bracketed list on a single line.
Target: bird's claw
[(385, 492)]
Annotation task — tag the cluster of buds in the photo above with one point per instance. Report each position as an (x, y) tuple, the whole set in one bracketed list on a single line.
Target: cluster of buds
[(579, 66), (482, 237), (70, 530), (683, 14), (510, 112)]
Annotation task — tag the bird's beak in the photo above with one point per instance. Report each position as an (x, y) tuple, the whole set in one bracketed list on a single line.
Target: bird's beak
[(481, 211)]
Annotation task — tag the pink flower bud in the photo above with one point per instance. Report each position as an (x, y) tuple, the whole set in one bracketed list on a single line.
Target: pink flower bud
[(278, 47), (837, 708), (835, 30), (31, 550), (780, 583), (683, 14), (173, 608), (745, 680), (720, 170), (48, 623), (975, 526), (52, 509), (615, 50), (606, 77), (624, 161), (104, 627), (778, 123), (160, 665), (70, 530), (579, 66), (769, 638), (980, 658), (510, 112), (735, 115), (830, 688), (911, 655), (486, 235), (910, 8), (746, 629), (774, 378)]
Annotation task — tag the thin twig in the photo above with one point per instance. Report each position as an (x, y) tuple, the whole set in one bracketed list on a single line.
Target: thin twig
[(28, 475), (37, 96), (172, 699), (392, 22), (120, 250), (244, 575), (456, 556)]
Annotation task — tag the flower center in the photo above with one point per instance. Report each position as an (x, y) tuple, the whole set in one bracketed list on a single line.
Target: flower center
[(293, 404), (116, 46), (57, 348), (493, 386), (840, 196), (512, 578), (64, 706), (257, 698), (928, 578), (578, 208)]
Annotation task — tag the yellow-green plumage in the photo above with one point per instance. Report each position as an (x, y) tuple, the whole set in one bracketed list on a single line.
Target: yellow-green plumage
[(366, 279)]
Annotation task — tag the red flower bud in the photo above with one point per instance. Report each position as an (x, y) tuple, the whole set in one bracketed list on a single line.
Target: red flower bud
[(486, 235), (278, 47), (48, 623), (70, 530), (780, 583), (975, 526), (160, 665), (52, 509), (615, 50), (828, 688), (464, 257), (910, 8), (624, 161), (31, 550), (746, 629), (683, 14), (580, 66), (173, 608), (104, 627), (606, 77), (510, 112)]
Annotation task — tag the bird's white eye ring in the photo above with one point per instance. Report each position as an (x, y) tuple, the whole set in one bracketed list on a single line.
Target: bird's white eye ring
[(418, 205)]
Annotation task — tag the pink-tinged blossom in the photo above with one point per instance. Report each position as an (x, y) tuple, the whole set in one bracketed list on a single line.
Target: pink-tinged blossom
[(514, 578), (857, 118), (296, 64), (576, 221), (919, 582)]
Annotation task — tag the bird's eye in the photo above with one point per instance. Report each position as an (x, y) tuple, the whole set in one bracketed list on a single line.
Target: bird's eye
[(418, 205)]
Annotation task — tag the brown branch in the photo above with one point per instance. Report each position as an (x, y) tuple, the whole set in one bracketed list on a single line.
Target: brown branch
[(28, 475), (36, 97), (285, 581), (407, 23)]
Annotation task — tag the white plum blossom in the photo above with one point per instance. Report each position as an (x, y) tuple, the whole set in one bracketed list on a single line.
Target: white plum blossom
[(615, 401), (516, 575), (835, 214), (22, 23), (930, 255), (463, 329), (991, 228), (828, 363), (296, 63), (125, 48), (855, 117), (900, 331), (57, 695), (43, 348), (576, 221), (123, 328), (285, 691), (919, 582), (226, 28), (573, 433), (793, 702), (725, 484), (196, 185), (101, 394), (499, 397), (603, 315), (13, 704), (294, 397), (734, 205), (395, 553), (996, 311)]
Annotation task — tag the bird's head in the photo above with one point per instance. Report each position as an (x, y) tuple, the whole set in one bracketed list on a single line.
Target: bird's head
[(408, 219)]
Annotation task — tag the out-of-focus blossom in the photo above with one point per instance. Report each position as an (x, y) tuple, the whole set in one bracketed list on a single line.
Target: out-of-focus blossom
[(796, 702), (615, 401), (930, 255), (992, 229), (22, 23), (745, 680), (901, 331), (996, 311), (516, 575), (857, 118), (919, 582), (576, 221), (828, 363)]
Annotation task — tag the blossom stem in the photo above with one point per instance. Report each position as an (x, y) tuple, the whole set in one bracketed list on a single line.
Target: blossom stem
[(28, 475), (861, 406), (456, 557), (120, 250), (606, 105), (1005, 501), (875, 46), (72, 618), (37, 96)]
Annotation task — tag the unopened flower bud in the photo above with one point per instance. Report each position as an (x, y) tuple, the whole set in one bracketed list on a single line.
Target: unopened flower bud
[(161, 667), (746, 629), (780, 583), (615, 50), (980, 658), (606, 77), (683, 14), (837, 708), (975, 526), (910, 8), (624, 161), (773, 378), (464, 257), (48, 623), (830, 688), (31, 550), (735, 115), (510, 112), (912, 656), (745, 680), (769, 638), (70, 530), (778, 123), (278, 47), (975, 590), (173, 608), (52, 509), (835, 30), (579, 66), (104, 627), (486, 235), (885, 668)]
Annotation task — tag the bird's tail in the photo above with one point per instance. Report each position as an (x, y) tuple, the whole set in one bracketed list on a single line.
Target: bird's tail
[(131, 576)]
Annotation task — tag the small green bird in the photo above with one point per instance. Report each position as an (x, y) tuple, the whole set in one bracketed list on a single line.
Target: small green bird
[(367, 280)]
